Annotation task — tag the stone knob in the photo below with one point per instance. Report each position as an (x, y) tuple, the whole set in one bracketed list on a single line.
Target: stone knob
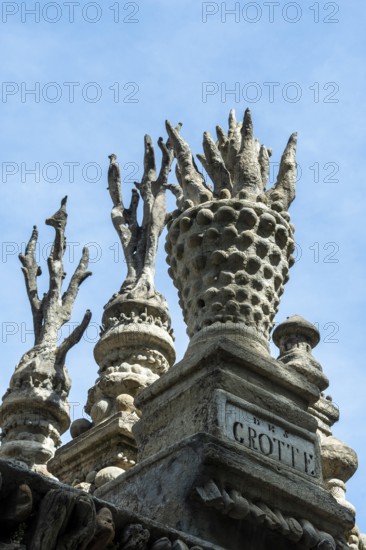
[(294, 333)]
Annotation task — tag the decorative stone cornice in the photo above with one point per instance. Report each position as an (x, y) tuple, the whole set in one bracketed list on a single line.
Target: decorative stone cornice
[(41, 514), (232, 503)]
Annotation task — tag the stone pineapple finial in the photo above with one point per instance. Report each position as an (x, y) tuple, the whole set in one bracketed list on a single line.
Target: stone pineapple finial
[(35, 410), (237, 165), (230, 247)]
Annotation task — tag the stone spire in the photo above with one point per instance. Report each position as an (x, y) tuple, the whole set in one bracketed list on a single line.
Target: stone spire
[(230, 247), (35, 411), (136, 339)]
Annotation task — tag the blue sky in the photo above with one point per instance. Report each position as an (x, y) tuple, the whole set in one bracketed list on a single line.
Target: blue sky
[(100, 86)]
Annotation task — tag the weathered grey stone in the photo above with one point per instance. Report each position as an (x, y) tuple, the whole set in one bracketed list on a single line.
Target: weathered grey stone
[(18, 507), (80, 426), (79, 526), (105, 532), (201, 395), (135, 537), (136, 341), (35, 410), (229, 251), (296, 338), (107, 474), (162, 544), (235, 448), (108, 443)]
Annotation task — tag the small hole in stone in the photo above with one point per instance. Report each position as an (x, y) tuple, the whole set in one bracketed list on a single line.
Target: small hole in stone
[(201, 303)]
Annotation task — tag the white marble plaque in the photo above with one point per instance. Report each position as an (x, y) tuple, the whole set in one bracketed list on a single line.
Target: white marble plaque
[(268, 438)]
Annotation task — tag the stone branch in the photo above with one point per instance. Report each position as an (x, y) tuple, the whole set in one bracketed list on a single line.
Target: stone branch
[(152, 190), (56, 309), (237, 164), (35, 410), (31, 271), (247, 170), (73, 338), (77, 279), (214, 165), (140, 242), (51, 312), (191, 180), (285, 187)]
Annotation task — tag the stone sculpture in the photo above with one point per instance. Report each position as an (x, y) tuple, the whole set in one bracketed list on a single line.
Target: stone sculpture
[(230, 248), (35, 410), (239, 460), (235, 448), (136, 344), (136, 340)]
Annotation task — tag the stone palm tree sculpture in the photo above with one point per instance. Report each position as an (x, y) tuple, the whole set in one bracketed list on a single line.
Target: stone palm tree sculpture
[(230, 247), (35, 410)]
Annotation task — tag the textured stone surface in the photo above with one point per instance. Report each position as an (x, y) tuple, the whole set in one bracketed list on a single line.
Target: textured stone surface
[(230, 249), (230, 268), (339, 461), (200, 398), (235, 448), (296, 338), (136, 344), (136, 339), (35, 411), (109, 443), (54, 516)]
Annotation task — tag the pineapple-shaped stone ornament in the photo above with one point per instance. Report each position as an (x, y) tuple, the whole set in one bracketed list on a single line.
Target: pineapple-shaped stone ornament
[(230, 248)]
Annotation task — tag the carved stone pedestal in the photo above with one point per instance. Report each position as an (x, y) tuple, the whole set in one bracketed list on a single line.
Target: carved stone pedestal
[(229, 453)]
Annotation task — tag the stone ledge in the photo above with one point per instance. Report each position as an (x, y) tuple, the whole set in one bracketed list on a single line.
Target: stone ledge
[(269, 368), (31, 519), (153, 486)]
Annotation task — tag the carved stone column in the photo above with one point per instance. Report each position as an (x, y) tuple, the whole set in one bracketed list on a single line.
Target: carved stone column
[(296, 338), (136, 340)]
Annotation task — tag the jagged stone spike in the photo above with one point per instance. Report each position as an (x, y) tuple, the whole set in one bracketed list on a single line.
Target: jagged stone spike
[(263, 159), (192, 181), (221, 136), (149, 159), (114, 180), (232, 123), (215, 165), (247, 131), (284, 189), (247, 174)]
